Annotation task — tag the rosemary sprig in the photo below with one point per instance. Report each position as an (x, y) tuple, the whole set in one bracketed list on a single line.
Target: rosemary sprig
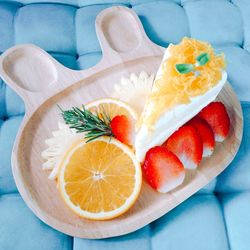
[(82, 120)]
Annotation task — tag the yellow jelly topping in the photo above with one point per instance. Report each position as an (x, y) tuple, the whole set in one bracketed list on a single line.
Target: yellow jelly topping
[(172, 88)]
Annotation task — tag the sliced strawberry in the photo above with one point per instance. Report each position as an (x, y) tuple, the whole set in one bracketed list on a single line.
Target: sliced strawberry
[(206, 133), (187, 145), (122, 129), (162, 169), (217, 117)]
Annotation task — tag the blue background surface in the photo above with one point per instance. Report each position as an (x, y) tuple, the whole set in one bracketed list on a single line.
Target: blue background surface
[(218, 216)]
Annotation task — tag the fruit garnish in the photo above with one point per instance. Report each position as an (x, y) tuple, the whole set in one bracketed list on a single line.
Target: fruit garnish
[(112, 107), (217, 117), (206, 133), (187, 145), (96, 120), (98, 116), (122, 128), (201, 68), (162, 169), (101, 179), (134, 90)]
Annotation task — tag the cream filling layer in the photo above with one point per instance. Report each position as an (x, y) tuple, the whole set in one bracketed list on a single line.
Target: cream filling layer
[(170, 121)]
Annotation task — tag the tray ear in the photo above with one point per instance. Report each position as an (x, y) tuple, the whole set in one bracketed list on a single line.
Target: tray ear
[(34, 74), (121, 35), (19, 64), (30, 71)]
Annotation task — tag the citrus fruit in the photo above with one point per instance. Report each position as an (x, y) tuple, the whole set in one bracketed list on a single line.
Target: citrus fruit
[(112, 107), (100, 179)]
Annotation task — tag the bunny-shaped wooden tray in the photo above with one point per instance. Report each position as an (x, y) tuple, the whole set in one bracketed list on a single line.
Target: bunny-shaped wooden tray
[(43, 83)]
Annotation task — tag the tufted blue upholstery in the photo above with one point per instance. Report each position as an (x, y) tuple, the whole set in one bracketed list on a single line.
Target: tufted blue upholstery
[(217, 217)]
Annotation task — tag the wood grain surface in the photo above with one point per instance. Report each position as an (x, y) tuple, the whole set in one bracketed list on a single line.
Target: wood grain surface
[(42, 83)]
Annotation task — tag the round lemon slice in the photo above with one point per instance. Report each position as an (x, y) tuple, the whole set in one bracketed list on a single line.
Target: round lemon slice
[(112, 107), (100, 179)]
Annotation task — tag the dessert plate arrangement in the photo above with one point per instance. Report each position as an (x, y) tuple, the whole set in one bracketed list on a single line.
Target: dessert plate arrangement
[(50, 90)]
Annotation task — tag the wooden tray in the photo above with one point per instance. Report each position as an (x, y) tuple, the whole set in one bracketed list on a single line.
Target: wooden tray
[(42, 83)]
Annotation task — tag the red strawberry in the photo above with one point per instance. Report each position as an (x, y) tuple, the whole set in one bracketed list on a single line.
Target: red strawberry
[(122, 128), (162, 169), (206, 133), (217, 117), (187, 145)]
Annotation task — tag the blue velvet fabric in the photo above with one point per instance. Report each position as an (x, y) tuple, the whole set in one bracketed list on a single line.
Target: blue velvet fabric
[(217, 217)]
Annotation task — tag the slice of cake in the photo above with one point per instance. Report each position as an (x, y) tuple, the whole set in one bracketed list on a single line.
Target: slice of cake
[(190, 76)]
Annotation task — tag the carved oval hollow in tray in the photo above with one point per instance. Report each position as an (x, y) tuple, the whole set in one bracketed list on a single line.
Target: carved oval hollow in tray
[(21, 61), (73, 88)]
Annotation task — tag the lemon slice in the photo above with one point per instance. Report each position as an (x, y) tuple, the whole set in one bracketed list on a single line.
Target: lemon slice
[(101, 179), (112, 107)]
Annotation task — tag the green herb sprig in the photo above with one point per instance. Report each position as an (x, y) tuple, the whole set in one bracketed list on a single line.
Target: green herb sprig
[(185, 68), (82, 120)]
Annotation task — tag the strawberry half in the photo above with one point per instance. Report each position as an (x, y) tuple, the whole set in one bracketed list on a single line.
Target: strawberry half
[(162, 169), (123, 129), (217, 117), (187, 145), (206, 133)]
